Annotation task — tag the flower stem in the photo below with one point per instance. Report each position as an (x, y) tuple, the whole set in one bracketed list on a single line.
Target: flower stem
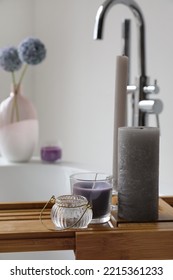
[(14, 105), (12, 112), (16, 90), (13, 79), (22, 75)]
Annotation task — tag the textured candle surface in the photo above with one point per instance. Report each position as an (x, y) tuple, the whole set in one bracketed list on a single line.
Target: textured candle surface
[(138, 173)]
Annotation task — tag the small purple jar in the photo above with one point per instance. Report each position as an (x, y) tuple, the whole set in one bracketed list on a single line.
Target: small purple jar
[(51, 153)]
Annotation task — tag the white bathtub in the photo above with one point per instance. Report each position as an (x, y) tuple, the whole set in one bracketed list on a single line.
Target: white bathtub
[(35, 181)]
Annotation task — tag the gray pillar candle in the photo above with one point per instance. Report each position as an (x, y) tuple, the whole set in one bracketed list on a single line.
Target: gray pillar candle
[(138, 173)]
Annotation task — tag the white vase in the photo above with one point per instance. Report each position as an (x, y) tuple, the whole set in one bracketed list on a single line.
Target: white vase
[(19, 128), (18, 140)]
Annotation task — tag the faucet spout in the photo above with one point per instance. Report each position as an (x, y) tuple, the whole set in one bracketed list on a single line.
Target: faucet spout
[(98, 34), (99, 22)]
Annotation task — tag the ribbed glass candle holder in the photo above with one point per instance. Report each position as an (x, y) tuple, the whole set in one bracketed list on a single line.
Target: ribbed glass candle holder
[(71, 211)]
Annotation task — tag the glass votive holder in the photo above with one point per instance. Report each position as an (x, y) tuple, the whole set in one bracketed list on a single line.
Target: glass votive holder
[(71, 211), (97, 188), (50, 153)]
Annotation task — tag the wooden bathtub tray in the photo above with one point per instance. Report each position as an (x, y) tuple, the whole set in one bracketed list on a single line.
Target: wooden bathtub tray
[(21, 230)]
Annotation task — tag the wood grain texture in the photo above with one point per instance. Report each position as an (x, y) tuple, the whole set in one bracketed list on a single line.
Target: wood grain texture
[(37, 244), (125, 245), (131, 240), (21, 230)]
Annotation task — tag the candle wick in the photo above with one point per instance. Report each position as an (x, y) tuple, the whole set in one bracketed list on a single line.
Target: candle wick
[(94, 183)]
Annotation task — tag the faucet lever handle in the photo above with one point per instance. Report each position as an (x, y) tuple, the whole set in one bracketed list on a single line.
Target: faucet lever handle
[(131, 88), (151, 106), (151, 88)]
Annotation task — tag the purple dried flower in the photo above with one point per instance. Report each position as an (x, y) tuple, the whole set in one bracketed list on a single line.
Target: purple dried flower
[(9, 59), (32, 51)]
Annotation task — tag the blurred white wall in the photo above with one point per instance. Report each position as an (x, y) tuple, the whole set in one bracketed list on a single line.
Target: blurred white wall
[(16, 23), (73, 89)]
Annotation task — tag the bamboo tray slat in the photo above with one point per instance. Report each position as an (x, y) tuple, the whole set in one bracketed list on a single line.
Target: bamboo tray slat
[(26, 217)]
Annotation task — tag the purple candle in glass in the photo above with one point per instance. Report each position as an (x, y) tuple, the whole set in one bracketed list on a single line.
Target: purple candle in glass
[(98, 192), (51, 153)]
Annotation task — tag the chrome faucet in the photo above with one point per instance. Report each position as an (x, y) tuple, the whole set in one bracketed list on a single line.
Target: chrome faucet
[(144, 105)]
